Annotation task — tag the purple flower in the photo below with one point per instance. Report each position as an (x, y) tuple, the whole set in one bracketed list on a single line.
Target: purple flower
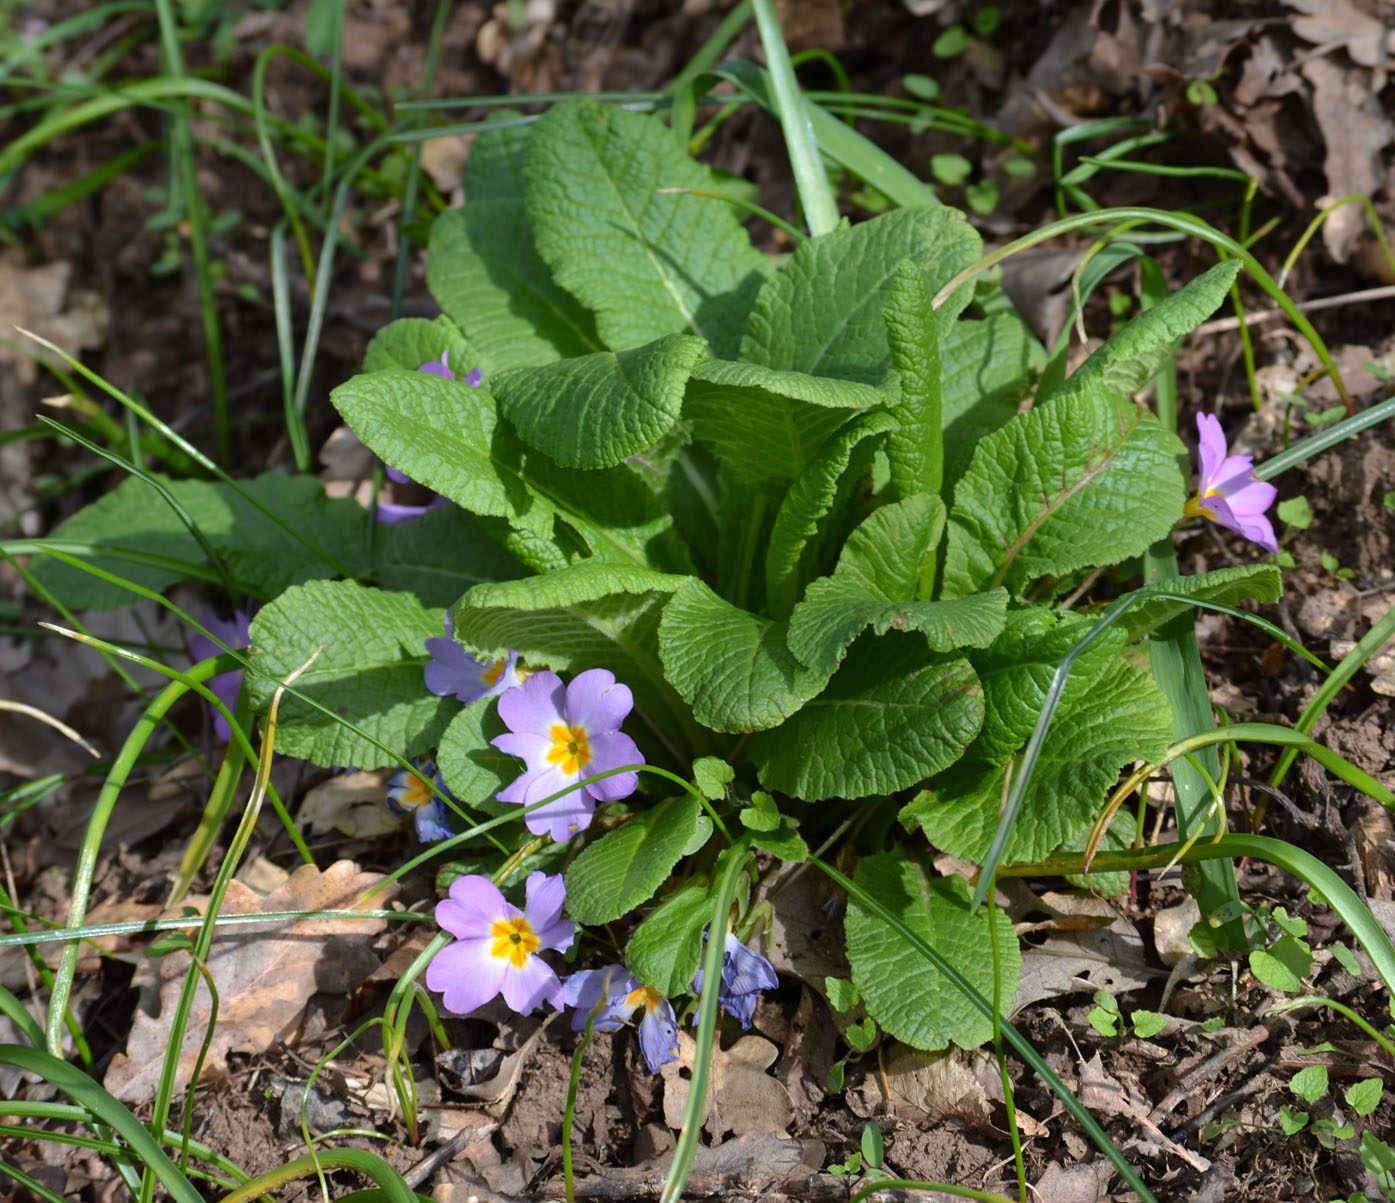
[(410, 792), (744, 975), (618, 994), (452, 670), (236, 632), (496, 947), (565, 736), (1228, 492)]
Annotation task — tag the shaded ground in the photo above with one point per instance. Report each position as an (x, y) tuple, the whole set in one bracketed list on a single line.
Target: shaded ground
[(1298, 99)]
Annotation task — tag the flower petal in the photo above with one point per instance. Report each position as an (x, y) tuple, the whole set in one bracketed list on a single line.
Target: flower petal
[(545, 896), (535, 706), (475, 904), (1253, 498), (530, 748), (526, 989), (606, 987), (1211, 449), (466, 974), (744, 969), (658, 1035), (611, 751), (1255, 527), (596, 701)]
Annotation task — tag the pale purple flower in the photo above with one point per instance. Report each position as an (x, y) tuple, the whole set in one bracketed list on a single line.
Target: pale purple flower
[(452, 670), (618, 994), (410, 792), (1228, 492), (497, 947), (565, 735), (236, 633), (745, 973)]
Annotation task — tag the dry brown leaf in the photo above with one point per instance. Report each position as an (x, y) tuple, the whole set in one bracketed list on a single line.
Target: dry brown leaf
[(352, 803), (1106, 1095), (742, 1097), (264, 975), (38, 299), (1342, 22)]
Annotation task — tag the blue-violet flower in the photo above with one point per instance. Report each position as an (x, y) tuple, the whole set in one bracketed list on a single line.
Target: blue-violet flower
[(1228, 492), (235, 632), (565, 735), (409, 792), (496, 947), (618, 994), (745, 973), (452, 670)]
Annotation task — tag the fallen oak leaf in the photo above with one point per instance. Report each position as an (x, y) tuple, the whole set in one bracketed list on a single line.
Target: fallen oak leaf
[(742, 1098), (264, 975)]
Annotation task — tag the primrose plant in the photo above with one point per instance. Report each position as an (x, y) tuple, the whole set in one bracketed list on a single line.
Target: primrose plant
[(790, 524)]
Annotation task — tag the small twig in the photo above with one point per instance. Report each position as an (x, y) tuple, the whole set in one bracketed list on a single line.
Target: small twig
[(1220, 324)]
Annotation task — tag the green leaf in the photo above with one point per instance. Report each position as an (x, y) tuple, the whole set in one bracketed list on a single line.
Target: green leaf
[(986, 369), (1291, 1121), (1080, 482), (1296, 512), (768, 425), (1225, 586), (731, 666), (784, 842), (448, 436), (916, 450), (261, 556), (624, 868), (1363, 1097), (410, 342), (369, 673), (823, 313), (892, 715), (712, 775), (1110, 715), (1147, 1024), (1128, 360), (593, 411), (1284, 965), (1309, 1083), (762, 814), (487, 275), (586, 616), (440, 555), (802, 528), (1103, 1017), (664, 951), (1346, 959), (646, 261), (861, 1035), (950, 169), (902, 991), (474, 771), (842, 995), (877, 577)]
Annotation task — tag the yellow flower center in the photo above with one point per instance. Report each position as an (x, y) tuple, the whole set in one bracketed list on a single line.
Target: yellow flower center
[(415, 794), (571, 748), (491, 674), (513, 940), (646, 995), (1195, 509)]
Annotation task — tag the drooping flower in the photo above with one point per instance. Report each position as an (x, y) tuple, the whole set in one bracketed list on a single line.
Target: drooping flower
[(409, 792), (391, 512), (1228, 492), (618, 994), (452, 670), (497, 947), (235, 632), (565, 735), (745, 973)]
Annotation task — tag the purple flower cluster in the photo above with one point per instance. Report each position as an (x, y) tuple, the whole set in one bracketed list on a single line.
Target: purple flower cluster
[(411, 792), (745, 973)]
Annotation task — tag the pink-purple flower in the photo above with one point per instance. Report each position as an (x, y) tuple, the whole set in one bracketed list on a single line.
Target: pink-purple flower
[(452, 670), (564, 736), (745, 973), (497, 947), (617, 995), (411, 792), (235, 632), (1228, 492)]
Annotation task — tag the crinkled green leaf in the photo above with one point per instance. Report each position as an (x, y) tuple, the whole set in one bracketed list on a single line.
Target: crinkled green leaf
[(440, 555), (368, 673), (261, 556), (901, 990), (986, 369), (664, 951), (1084, 481), (766, 424), (802, 525), (1128, 360), (893, 714), (823, 313), (915, 450), (1225, 586), (1120, 718), (410, 342), (645, 261), (487, 275), (624, 868), (875, 585), (448, 436), (474, 771), (593, 411), (730, 665), (586, 616)]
